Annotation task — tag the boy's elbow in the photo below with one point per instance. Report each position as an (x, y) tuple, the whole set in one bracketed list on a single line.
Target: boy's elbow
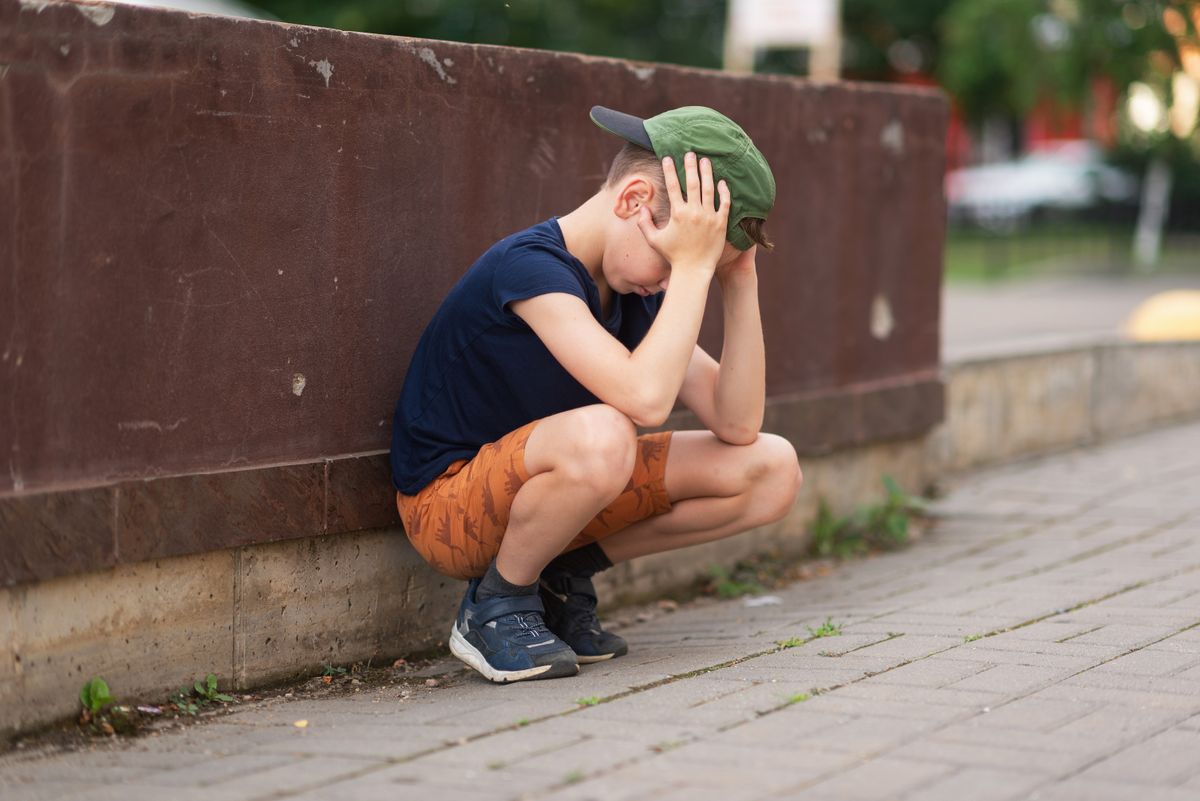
[(650, 412), (738, 435)]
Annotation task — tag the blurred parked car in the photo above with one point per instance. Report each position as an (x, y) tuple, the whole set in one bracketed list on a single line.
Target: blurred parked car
[(1056, 176)]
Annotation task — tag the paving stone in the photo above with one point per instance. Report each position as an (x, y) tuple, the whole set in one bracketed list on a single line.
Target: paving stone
[(1098, 703), (1079, 789), (1160, 760), (977, 784), (865, 780)]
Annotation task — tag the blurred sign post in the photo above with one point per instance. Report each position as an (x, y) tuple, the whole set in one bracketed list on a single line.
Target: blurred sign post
[(785, 24)]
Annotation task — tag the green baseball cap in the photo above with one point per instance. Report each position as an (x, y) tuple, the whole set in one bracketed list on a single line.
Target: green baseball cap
[(706, 133)]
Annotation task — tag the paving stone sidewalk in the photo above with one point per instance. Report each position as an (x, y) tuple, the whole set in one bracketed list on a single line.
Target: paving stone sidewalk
[(1041, 642)]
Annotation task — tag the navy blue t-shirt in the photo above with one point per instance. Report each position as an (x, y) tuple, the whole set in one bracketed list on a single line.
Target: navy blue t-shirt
[(479, 372)]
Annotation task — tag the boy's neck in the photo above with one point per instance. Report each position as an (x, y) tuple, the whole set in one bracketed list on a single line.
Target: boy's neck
[(583, 232)]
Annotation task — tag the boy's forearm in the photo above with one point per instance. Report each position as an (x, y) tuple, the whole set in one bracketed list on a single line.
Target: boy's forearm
[(661, 359), (740, 391)]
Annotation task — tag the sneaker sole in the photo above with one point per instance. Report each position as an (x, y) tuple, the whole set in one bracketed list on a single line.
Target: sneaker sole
[(469, 654), (587, 660)]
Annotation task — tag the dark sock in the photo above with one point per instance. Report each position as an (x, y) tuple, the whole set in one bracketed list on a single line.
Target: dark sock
[(495, 584), (583, 562)]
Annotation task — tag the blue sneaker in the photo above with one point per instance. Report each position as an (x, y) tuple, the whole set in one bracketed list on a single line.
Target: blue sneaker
[(505, 639), (570, 603)]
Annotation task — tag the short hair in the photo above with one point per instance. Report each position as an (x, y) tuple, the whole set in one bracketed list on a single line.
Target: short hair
[(634, 159)]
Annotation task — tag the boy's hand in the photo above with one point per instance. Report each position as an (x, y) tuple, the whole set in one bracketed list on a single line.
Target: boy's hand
[(694, 237), (743, 266)]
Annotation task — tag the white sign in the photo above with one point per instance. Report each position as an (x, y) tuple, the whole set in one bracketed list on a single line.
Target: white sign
[(782, 23)]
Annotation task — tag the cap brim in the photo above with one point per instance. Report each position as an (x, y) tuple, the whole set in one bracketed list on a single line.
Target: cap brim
[(626, 126)]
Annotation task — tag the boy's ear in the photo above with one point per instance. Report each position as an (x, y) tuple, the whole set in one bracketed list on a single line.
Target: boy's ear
[(634, 193)]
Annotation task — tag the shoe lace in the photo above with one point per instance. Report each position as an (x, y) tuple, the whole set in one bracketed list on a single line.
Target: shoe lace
[(530, 626), (583, 612)]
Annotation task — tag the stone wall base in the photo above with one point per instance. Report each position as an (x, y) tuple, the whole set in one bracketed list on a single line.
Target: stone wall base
[(265, 613)]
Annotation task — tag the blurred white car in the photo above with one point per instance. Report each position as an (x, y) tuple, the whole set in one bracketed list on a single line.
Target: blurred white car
[(1057, 175)]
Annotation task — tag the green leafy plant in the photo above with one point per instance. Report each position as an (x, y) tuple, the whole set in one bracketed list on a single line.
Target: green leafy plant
[(972, 637), (591, 700), (331, 670), (95, 695), (790, 642), (826, 629), (207, 690), (184, 702), (882, 526), (736, 583), (797, 698)]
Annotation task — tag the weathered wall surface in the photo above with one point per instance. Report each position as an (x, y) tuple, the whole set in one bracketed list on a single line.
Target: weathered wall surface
[(1007, 407), (224, 238), (219, 242), (265, 612)]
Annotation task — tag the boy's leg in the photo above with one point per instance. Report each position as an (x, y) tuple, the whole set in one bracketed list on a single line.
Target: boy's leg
[(577, 462), (716, 490)]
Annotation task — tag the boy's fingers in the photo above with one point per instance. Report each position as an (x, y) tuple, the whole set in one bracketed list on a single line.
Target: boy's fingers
[(693, 177), (723, 191), (672, 180), (706, 184), (645, 222)]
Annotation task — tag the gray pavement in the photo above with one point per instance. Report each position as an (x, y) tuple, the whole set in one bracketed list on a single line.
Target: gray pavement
[(1040, 641), (1019, 316)]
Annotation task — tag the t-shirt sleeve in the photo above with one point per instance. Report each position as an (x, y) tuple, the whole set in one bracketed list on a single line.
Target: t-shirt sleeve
[(528, 271)]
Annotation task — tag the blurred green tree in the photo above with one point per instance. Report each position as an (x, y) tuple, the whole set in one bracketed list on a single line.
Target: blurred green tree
[(687, 32)]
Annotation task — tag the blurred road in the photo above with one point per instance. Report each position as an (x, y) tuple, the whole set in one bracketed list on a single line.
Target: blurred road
[(987, 320)]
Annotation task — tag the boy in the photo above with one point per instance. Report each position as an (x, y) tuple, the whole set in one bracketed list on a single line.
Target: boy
[(515, 457)]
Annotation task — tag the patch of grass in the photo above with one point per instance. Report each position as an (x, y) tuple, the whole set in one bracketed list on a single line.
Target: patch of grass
[(207, 690), (797, 698), (826, 629), (667, 745), (523, 722), (791, 642), (881, 526), (972, 637), (736, 583), (591, 700)]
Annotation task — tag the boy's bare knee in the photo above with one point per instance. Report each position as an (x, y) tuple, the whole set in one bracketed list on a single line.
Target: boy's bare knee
[(601, 449), (778, 477)]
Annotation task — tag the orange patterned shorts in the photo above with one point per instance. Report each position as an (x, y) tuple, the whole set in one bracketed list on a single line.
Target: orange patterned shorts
[(456, 522)]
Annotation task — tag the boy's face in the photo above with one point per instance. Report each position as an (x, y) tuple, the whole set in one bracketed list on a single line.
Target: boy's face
[(631, 265)]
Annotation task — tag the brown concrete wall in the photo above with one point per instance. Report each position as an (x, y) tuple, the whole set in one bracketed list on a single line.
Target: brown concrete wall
[(224, 236), (264, 612)]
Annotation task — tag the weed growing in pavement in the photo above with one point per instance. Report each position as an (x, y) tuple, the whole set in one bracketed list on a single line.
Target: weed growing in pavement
[(791, 642), (797, 698), (523, 722), (101, 714), (207, 691), (883, 526), (331, 670), (666, 745), (591, 700), (734, 584), (573, 777), (972, 637), (95, 695), (189, 700), (826, 629)]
